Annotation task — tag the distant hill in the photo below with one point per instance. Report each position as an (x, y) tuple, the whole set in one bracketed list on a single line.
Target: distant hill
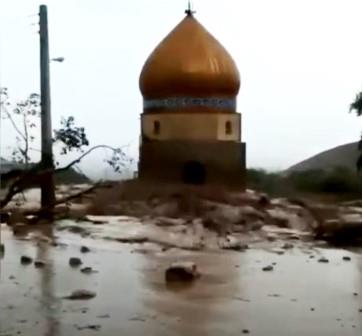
[(342, 156)]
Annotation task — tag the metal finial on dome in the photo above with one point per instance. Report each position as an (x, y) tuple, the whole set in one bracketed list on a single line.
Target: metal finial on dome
[(189, 11)]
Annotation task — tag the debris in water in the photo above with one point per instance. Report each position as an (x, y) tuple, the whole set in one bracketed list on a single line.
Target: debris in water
[(84, 249), (268, 268), (25, 260), (39, 263), (287, 246), (88, 270), (323, 260), (91, 327), (81, 294), (182, 271), (75, 262)]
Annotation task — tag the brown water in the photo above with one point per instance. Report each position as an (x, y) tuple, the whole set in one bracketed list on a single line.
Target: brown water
[(300, 297)]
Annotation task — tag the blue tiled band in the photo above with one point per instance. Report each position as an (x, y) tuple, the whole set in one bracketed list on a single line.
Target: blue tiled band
[(179, 102)]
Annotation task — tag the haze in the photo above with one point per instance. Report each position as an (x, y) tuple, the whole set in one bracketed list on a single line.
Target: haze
[(300, 64)]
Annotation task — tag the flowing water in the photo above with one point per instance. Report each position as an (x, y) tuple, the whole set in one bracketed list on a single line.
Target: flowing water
[(299, 297)]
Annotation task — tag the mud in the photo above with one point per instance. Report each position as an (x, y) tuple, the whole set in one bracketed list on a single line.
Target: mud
[(298, 297)]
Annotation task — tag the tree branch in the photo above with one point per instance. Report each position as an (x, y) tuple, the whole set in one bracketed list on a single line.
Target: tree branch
[(29, 177), (13, 123)]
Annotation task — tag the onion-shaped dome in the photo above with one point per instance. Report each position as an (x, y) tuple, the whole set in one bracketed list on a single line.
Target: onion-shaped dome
[(190, 68)]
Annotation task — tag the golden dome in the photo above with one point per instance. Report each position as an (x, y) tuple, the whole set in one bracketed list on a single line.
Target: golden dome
[(189, 62)]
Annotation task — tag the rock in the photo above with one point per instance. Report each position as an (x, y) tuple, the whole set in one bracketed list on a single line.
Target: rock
[(39, 264), (182, 272), (346, 258), (81, 294), (245, 331), (91, 327), (279, 217), (287, 246), (84, 249), (268, 268), (323, 260), (25, 260), (75, 262), (232, 243)]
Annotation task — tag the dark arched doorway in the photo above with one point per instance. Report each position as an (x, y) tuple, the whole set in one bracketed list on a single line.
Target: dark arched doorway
[(193, 172)]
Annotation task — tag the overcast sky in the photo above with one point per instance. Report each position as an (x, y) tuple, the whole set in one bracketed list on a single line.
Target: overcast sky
[(300, 63)]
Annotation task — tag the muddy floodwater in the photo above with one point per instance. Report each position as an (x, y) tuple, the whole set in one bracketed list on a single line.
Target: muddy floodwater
[(234, 296)]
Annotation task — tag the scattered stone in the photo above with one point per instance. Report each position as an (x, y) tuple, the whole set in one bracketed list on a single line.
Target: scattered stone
[(182, 271), (84, 249), (75, 262), (2, 249), (312, 309), (323, 260), (287, 246), (81, 294), (246, 331), (91, 327), (268, 268), (231, 243), (311, 257), (25, 260), (346, 258), (12, 277), (360, 310), (88, 270), (355, 294), (39, 263)]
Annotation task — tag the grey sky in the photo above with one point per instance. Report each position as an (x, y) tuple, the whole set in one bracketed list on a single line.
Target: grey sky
[(300, 64)]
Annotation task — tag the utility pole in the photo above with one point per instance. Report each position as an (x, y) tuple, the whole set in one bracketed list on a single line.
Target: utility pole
[(47, 164)]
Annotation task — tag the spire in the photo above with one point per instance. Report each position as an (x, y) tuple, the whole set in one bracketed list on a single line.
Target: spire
[(189, 11)]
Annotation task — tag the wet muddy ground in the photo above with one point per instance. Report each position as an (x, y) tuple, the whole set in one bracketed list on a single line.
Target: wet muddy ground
[(299, 297)]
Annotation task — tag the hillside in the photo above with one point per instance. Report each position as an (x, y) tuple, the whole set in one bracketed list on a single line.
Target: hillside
[(342, 156)]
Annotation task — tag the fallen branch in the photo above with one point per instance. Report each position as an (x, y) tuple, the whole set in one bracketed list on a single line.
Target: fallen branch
[(31, 176)]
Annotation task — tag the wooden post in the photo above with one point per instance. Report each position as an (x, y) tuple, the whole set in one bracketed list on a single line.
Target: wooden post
[(47, 182)]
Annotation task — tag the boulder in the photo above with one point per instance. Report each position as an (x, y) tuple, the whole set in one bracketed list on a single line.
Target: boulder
[(75, 262), (181, 272), (25, 260), (84, 249), (232, 243)]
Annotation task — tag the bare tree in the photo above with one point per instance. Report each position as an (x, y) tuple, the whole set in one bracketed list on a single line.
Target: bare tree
[(24, 116), (70, 138)]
